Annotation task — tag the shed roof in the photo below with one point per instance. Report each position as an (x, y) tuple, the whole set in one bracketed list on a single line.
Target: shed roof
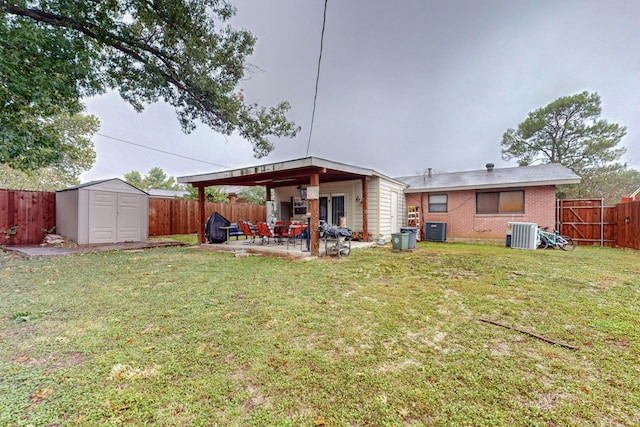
[(291, 172), (104, 183), (521, 176)]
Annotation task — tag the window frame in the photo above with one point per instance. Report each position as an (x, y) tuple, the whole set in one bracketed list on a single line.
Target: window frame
[(498, 194), (445, 204)]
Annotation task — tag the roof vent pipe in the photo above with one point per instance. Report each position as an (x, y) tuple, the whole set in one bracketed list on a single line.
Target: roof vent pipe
[(429, 172), (489, 167)]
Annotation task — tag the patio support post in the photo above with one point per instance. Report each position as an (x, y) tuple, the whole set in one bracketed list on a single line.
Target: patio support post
[(314, 209), (365, 209), (201, 214)]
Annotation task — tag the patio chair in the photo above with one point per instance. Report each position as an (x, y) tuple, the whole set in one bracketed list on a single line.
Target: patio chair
[(235, 230), (288, 233), (280, 230), (246, 228), (264, 232), (297, 231)]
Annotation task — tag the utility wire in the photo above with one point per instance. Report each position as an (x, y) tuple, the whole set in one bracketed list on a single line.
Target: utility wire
[(160, 151), (315, 95)]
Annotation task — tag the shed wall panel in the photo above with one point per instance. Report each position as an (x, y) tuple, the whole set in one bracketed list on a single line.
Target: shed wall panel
[(67, 214)]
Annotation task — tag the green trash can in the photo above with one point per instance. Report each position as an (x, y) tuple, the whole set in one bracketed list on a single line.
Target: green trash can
[(400, 241), (413, 236)]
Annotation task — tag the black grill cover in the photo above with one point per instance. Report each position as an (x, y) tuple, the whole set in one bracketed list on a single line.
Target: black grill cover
[(335, 232), (212, 231)]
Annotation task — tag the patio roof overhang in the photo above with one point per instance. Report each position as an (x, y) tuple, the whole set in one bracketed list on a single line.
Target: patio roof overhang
[(308, 171), (273, 175)]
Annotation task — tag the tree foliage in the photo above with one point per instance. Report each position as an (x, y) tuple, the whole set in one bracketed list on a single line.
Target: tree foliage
[(609, 183), (76, 156), (255, 194), (55, 52), (156, 178), (211, 194), (567, 131)]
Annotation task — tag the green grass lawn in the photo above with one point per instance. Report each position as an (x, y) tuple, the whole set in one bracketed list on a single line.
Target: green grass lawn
[(178, 336)]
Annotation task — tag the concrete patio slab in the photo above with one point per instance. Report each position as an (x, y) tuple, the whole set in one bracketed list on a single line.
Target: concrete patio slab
[(34, 252), (241, 247)]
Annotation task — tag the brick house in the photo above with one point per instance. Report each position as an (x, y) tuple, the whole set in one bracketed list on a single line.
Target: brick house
[(479, 204)]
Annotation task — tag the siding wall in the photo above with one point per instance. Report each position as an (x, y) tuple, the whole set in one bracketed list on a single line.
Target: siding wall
[(463, 222), (389, 220), (373, 191)]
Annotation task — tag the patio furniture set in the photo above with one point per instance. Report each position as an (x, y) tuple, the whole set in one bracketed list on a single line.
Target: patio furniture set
[(280, 233)]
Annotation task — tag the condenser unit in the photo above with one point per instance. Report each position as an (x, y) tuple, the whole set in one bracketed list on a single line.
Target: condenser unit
[(524, 235), (435, 231)]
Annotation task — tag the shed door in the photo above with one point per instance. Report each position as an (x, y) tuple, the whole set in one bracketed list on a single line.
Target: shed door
[(128, 218), (394, 212), (114, 217), (103, 214)]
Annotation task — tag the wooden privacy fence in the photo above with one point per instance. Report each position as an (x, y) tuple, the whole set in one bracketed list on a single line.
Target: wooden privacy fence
[(179, 216), (587, 221), (25, 216), (629, 224), (590, 222)]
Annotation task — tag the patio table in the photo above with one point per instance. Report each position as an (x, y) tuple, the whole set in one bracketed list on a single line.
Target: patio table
[(228, 227)]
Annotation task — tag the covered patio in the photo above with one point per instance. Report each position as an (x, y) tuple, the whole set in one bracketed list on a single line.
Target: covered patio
[(310, 175)]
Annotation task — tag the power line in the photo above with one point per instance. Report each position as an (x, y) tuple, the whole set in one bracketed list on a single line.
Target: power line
[(315, 95), (160, 151)]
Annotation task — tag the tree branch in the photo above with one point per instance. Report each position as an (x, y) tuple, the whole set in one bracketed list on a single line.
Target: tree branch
[(115, 41), (530, 334)]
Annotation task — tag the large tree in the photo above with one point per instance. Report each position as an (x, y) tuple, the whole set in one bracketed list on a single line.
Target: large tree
[(77, 155), (53, 53), (567, 131)]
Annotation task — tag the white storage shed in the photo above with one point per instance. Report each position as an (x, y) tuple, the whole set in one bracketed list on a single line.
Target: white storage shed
[(107, 211)]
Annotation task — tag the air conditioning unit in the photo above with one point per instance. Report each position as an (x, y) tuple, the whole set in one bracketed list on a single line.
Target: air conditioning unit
[(435, 231), (524, 235)]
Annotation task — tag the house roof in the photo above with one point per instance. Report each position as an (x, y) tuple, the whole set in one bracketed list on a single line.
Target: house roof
[(522, 176), (291, 172)]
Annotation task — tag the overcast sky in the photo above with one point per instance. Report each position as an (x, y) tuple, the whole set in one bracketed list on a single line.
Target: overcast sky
[(404, 85)]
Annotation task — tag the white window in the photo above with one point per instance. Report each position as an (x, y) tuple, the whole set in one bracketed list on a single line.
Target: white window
[(437, 202)]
